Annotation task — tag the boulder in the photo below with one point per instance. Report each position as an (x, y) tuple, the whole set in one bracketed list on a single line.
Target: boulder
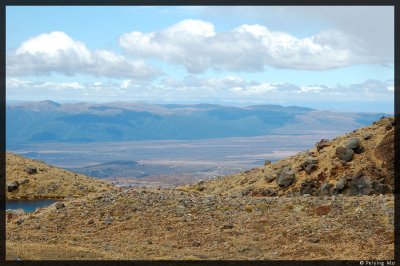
[(322, 144), (25, 181), (286, 177), (366, 135), (309, 168), (12, 186), (267, 162), (309, 165), (30, 170), (325, 188), (352, 143), (341, 183), (269, 177), (344, 154), (359, 186), (309, 187)]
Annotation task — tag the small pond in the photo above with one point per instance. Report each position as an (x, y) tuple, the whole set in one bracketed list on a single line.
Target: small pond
[(28, 205)]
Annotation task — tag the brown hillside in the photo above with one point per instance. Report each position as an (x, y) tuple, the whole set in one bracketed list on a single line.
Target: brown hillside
[(36, 179), (369, 171)]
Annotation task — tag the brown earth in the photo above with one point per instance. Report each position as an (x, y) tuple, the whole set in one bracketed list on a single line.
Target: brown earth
[(225, 218)]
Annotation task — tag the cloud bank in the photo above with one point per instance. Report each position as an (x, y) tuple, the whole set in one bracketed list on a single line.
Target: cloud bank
[(196, 45), (56, 52)]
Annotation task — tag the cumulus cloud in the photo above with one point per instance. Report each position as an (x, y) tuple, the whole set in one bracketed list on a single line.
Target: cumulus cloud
[(56, 52), (197, 46)]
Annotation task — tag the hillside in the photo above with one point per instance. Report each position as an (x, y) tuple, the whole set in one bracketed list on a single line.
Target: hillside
[(235, 217), (360, 162), (47, 121), (31, 179)]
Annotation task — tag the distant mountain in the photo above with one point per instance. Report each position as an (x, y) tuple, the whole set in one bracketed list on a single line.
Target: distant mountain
[(48, 121)]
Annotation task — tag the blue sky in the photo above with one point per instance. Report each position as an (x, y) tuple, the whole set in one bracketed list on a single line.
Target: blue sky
[(334, 58)]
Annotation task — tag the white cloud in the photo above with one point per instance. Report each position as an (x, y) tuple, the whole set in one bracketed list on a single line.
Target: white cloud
[(195, 45), (56, 52), (191, 88)]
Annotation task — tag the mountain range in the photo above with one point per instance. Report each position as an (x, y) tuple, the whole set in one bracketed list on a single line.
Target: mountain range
[(48, 121)]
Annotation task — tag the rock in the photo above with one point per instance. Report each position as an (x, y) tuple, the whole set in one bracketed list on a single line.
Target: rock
[(309, 168), (90, 221), (196, 244), (180, 209), (19, 221), (13, 213), (31, 170), (341, 183), (269, 177), (388, 126), (366, 135), (108, 221), (227, 226), (322, 144), (359, 186), (200, 183), (325, 188), (352, 143), (360, 149), (60, 205), (267, 162), (12, 186), (309, 164), (380, 188), (344, 154), (309, 186), (286, 177), (25, 181)]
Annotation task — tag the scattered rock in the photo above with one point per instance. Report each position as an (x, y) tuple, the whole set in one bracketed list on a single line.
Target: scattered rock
[(286, 177), (108, 221), (12, 186), (322, 144), (269, 177), (344, 154), (341, 183), (366, 135), (31, 170), (60, 205)]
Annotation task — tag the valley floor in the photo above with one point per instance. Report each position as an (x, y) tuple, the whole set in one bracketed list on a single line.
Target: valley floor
[(177, 224)]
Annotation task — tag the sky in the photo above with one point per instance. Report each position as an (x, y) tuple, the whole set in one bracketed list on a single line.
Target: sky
[(331, 58)]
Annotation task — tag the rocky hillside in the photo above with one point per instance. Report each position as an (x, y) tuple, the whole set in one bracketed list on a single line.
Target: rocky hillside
[(269, 213), (31, 179), (358, 163)]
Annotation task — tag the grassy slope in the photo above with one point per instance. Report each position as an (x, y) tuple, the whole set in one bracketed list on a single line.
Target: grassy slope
[(48, 182)]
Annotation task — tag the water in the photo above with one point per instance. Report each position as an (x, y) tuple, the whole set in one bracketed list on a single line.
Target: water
[(28, 205)]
